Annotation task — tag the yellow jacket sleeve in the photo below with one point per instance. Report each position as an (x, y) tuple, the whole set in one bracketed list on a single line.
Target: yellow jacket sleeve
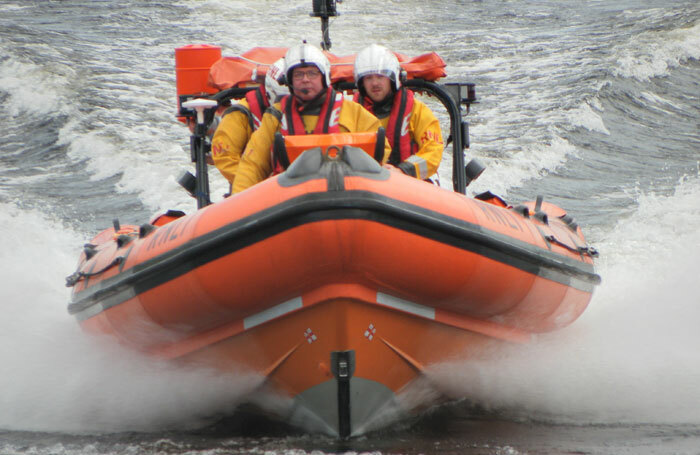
[(256, 164), (425, 131), (229, 141)]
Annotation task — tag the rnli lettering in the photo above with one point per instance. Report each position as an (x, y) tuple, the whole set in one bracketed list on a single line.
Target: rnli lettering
[(160, 236), (405, 124), (167, 233), (283, 121), (155, 238), (179, 228), (335, 115), (175, 232), (500, 216), (430, 136)]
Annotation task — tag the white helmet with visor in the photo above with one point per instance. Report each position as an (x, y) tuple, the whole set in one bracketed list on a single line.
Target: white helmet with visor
[(377, 59), (274, 79), (307, 55)]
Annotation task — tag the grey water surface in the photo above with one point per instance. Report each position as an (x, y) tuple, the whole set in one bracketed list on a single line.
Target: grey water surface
[(593, 104)]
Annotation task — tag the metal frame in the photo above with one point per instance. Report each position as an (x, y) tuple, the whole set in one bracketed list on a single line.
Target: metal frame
[(452, 96)]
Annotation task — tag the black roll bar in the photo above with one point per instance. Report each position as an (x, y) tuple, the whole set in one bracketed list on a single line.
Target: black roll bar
[(452, 96), (224, 96)]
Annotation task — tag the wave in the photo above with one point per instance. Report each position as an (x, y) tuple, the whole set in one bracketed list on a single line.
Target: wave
[(632, 357), (655, 53), (34, 89), (588, 116), (57, 378), (523, 161)]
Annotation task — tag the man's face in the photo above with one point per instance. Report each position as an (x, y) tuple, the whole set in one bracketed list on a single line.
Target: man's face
[(376, 86), (307, 82)]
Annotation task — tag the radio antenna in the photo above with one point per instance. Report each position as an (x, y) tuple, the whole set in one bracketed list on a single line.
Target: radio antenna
[(325, 9)]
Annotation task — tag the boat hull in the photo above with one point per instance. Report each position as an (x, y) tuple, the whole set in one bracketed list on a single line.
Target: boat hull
[(337, 267), (389, 346)]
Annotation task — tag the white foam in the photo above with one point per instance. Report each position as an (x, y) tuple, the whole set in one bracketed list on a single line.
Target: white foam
[(235, 40), (524, 160), (147, 153), (14, 7), (652, 54), (518, 128), (660, 103), (586, 117), (57, 378), (32, 88), (632, 356)]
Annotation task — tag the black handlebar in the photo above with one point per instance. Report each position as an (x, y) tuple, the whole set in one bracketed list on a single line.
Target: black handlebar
[(458, 133)]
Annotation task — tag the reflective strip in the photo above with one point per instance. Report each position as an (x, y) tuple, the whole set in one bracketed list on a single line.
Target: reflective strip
[(404, 305), (272, 313), (422, 166)]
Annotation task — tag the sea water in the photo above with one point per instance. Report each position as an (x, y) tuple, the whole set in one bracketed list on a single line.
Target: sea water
[(593, 105)]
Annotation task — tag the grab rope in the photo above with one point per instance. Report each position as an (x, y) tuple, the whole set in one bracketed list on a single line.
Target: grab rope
[(587, 250), (71, 280)]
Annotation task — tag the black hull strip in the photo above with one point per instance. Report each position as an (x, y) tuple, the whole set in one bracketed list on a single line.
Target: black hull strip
[(314, 207)]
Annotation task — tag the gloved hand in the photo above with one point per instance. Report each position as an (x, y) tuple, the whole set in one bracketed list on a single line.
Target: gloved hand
[(213, 126), (191, 122), (407, 168)]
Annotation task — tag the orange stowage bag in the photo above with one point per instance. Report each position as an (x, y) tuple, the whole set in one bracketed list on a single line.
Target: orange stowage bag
[(425, 66), (251, 67), (430, 67), (295, 145)]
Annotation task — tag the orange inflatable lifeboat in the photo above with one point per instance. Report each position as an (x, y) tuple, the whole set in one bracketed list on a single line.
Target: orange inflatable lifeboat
[(339, 280)]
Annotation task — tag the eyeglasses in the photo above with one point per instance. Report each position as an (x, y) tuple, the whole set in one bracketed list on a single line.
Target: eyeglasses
[(298, 75)]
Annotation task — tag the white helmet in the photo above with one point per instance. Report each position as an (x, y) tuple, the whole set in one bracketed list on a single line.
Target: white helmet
[(376, 59), (274, 78), (304, 55)]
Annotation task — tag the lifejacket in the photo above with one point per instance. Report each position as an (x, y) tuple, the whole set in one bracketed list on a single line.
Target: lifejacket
[(291, 123), (397, 132), (257, 103)]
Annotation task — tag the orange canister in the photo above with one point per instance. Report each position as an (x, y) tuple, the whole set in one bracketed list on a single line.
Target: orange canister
[(192, 63)]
